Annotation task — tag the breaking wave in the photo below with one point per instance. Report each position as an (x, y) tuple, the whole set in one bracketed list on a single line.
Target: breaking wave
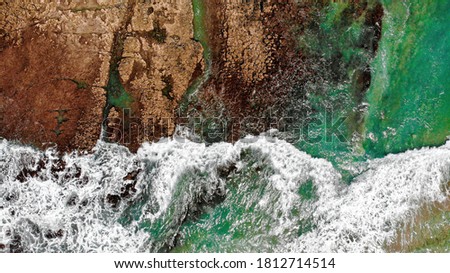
[(177, 195)]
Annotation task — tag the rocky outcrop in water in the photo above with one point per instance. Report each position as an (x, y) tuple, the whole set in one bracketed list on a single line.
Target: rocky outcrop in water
[(275, 64), (139, 68), (67, 66), (54, 64)]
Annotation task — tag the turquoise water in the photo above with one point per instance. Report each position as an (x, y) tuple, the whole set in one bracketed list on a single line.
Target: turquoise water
[(230, 225), (410, 97), (340, 50), (406, 105)]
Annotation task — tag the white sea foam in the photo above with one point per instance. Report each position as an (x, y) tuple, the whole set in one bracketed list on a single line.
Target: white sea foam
[(366, 215), (67, 208)]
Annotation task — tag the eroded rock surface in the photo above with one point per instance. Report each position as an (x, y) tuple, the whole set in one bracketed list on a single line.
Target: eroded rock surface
[(64, 62), (272, 61), (253, 54), (156, 66), (54, 62), (71, 67)]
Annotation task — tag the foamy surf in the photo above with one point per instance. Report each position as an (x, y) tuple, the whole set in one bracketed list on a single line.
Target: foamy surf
[(114, 201)]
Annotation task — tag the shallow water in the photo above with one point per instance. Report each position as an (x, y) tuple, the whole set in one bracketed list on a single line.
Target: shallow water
[(409, 96)]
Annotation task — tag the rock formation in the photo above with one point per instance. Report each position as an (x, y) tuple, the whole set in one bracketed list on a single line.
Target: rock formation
[(71, 68), (63, 62)]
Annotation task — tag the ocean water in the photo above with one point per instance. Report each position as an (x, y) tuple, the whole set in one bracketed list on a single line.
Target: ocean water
[(259, 194), (409, 95)]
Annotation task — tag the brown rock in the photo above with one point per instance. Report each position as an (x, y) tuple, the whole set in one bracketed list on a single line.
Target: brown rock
[(53, 60), (57, 59), (255, 41)]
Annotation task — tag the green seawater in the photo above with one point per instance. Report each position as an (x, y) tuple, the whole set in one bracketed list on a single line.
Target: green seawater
[(117, 96), (407, 104), (340, 49), (245, 220), (200, 28), (410, 95)]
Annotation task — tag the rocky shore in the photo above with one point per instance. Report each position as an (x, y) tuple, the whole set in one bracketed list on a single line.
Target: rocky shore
[(71, 68)]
